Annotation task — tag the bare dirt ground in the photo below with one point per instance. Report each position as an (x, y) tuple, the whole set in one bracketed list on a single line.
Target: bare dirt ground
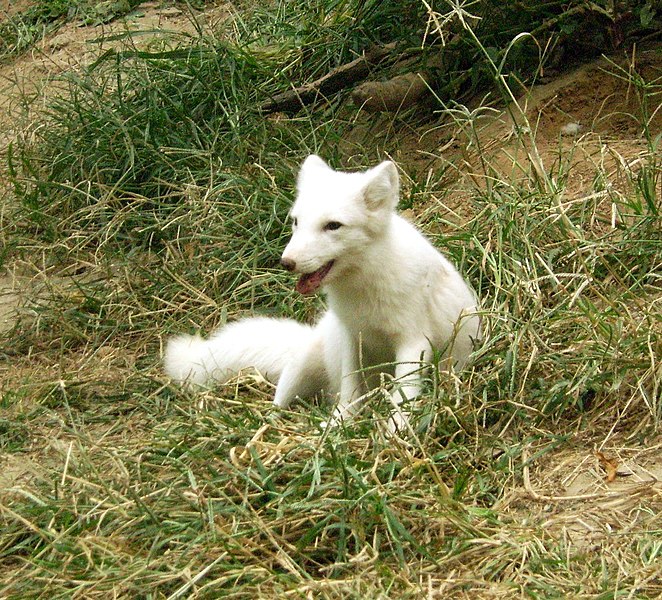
[(585, 121)]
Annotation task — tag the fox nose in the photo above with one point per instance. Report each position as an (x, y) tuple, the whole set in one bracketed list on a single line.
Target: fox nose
[(288, 264)]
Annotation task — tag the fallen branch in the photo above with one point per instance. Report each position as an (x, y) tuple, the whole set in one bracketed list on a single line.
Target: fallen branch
[(400, 92), (338, 79)]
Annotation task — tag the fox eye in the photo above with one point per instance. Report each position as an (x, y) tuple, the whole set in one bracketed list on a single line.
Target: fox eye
[(294, 222), (332, 226)]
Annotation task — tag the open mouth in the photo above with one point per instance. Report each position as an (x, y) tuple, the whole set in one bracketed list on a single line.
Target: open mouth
[(309, 282)]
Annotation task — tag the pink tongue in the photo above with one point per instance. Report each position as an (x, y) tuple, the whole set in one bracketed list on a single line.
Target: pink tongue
[(309, 282)]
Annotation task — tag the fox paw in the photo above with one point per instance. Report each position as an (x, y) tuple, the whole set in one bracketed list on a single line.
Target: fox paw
[(336, 420), (398, 423), (332, 423)]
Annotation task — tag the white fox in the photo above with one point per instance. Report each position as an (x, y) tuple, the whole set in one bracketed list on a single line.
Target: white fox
[(394, 302)]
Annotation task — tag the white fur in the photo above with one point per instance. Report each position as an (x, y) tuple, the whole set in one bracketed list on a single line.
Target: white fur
[(392, 299), (233, 348)]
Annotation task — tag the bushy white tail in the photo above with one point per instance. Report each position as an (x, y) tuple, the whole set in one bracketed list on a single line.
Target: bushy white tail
[(264, 344)]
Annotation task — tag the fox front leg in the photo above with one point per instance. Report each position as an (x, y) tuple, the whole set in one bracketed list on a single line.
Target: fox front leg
[(350, 384), (304, 375), (411, 360)]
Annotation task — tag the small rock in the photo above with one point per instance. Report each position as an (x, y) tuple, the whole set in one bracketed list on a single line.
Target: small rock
[(571, 129)]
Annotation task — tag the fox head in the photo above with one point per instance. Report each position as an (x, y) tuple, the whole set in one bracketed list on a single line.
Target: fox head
[(336, 215)]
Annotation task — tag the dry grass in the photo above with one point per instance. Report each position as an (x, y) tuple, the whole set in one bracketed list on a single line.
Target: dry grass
[(534, 474)]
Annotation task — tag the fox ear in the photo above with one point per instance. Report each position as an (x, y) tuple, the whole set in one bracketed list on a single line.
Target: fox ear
[(383, 187), (311, 164), (314, 161)]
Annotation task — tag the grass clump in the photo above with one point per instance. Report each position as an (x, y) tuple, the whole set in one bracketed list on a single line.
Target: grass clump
[(20, 30), (153, 198), (149, 122)]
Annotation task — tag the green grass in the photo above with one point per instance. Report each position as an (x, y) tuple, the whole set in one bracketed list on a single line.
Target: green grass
[(20, 30), (152, 198)]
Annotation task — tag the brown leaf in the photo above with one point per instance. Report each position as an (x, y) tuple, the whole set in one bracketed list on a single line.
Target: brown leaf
[(609, 464)]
